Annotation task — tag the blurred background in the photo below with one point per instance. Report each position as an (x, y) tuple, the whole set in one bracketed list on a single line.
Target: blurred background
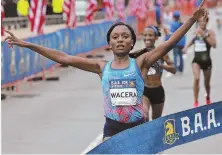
[(54, 11), (52, 108)]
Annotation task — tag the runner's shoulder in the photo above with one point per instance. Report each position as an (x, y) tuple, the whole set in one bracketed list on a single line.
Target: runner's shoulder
[(102, 63)]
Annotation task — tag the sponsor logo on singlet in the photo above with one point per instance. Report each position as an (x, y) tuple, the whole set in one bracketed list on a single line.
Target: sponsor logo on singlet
[(155, 68)]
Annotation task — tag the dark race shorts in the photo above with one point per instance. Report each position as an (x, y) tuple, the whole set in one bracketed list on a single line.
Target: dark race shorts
[(204, 65), (155, 95), (112, 127)]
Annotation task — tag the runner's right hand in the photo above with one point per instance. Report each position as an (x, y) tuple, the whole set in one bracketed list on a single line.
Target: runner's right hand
[(13, 40)]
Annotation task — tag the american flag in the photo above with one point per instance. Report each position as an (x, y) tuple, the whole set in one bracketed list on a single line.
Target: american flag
[(138, 8), (37, 15), (108, 5), (132, 7), (90, 10), (69, 8), (120, 7), (147, 4), (2, 17)]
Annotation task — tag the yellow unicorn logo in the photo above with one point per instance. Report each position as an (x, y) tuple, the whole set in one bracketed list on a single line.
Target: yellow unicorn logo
[(170, 132), (132, 84)]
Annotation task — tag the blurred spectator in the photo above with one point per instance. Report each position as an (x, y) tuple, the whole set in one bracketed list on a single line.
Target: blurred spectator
[(10, 8), (177, 50), (23, 8), (57, 6), (158, 12), (49, 7)]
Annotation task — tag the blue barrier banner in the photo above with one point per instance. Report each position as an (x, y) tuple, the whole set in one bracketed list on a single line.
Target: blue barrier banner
[(37, 65), (93, 34), (166, 132), (5, 55), (88, 43), (72, 43), (22, 62), (101, 32), (79, 40), (2, 66), (51, 40), (64, 38), (13, 66), (28, 61)]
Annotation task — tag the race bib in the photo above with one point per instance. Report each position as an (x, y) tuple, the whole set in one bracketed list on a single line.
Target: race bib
[(123, 92), (200, 46)]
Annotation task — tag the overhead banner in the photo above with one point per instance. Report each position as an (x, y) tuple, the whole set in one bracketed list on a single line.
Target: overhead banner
[(166, 132)]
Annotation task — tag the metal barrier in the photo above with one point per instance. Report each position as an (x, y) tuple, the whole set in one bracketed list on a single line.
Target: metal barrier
[(15, 23), (23, 22)]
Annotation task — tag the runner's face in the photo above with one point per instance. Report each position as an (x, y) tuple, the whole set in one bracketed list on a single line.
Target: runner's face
[(149, 37), (202, 23), (121, 40)]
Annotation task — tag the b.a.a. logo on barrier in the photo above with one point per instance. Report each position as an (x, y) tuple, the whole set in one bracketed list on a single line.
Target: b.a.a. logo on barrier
[(170, 132)]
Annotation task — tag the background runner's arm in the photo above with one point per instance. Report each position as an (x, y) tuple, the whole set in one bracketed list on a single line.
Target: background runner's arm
[(136, 53), (211, 39), (170, 67), (184, 50), (190, 43)]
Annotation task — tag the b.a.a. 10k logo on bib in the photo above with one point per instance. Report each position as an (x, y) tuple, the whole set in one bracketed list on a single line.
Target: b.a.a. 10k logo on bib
[(200, 46), (123, 92)]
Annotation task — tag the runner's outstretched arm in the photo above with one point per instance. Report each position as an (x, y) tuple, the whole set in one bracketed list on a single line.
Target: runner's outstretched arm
[(58, 56), (163, 49), (170, 67)]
